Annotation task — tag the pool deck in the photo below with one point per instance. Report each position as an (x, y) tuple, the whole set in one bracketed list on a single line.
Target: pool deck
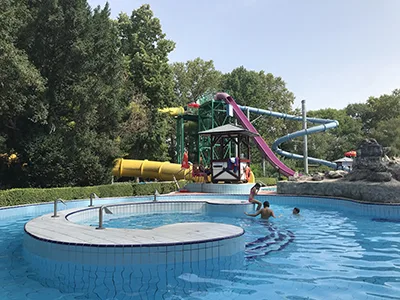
[(61, 230)]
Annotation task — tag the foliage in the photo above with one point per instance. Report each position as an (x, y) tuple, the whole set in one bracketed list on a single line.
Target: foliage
[(149, 188), (264, 91), (332, 144), (78, 90), (387, 132), (21, 84), (258, 89), (77, 52), (194, 78), (25, 196), (268, 181), (33, 195), (146, 50)]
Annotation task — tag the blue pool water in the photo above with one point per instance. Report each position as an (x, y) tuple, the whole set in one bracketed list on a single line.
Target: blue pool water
[(323, 254)]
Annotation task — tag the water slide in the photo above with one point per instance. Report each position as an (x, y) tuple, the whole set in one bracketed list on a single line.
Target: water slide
[(173, 111), (325, 125), (156, 170), (262, 145), (153, 169), (150, 169)]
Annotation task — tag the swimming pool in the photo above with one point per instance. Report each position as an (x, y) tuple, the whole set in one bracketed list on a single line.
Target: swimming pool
[(326, 253)]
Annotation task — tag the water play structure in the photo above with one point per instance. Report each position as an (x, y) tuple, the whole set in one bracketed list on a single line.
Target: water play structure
[(150, 169), (214, 111), (262, 145)]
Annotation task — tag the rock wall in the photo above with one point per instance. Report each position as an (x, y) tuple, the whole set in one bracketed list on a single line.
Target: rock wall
[(379, 192), (372, 179)]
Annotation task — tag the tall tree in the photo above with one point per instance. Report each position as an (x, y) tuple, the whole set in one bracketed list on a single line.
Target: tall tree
[(146, 52), (144, 42), (265, 91), (21, 85), (194, 78), (21, 92), (332, 144), (78, 53), (387, 133)]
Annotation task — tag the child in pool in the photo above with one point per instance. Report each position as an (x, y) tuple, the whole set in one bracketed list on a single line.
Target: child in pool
[(253, 191)]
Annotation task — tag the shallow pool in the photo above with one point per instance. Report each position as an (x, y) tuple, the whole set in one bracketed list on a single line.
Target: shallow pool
[(322, 254)]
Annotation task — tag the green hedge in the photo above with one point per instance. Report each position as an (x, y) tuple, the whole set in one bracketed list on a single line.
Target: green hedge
[(269, 181), (149, 188), (26, 196)]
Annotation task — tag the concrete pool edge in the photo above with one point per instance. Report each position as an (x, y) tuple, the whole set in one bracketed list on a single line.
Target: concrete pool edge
[(52, 241), (57, 230)]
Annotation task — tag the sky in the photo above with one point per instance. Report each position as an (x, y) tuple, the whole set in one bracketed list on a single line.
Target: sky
[(330, 53)]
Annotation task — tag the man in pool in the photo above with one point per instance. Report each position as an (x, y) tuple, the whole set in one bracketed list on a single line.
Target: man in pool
[(296, 211), (253, 191), (265, 212)]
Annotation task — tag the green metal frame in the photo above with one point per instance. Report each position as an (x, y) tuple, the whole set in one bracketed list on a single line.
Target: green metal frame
[(180, 136), (211, 114)]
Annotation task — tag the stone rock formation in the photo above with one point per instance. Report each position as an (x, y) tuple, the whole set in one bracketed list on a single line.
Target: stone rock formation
[(372, 179), (368, 165)]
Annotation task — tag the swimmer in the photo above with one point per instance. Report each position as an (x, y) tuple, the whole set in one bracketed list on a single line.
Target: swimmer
[(265, 212), (296, 211)]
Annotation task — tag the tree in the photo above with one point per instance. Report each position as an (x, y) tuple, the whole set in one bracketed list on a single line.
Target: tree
[(146, 54), (265, 91), (147, 49), (387, 133), (384, 120), (78, 54), (21, 85), (194, 78), (384, 108), (332, 144), (258, 89), (21, 91), (375, 110)]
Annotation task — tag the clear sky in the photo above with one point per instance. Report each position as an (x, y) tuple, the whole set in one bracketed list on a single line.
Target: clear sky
[(330, 53)]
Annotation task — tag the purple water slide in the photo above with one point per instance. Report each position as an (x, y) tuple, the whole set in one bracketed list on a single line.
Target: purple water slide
[(261, 144)]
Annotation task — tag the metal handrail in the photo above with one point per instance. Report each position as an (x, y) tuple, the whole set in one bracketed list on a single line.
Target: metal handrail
[(55, 207), (91, 196), (156, 193), (107, 211)]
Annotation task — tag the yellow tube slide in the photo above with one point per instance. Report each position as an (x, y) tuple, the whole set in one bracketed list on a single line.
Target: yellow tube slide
[(150, 169), (173, 111), (156, 170)]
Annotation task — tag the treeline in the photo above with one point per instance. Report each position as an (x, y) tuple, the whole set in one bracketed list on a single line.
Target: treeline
[(79, 89)]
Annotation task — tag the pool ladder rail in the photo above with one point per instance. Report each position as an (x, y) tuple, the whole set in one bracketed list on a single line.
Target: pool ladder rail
[(55, 207), (156, 193), (107, 211), (104, 208), (92, 196)]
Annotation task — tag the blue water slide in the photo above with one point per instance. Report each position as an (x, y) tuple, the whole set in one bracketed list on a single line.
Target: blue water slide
[(325, 125)]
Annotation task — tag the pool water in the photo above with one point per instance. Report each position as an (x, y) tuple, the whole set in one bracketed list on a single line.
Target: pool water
[(321, 254), (261, 236)]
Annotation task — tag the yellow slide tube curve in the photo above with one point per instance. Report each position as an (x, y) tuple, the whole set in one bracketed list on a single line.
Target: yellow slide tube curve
[(150, 169), (156, 170), (173, 111)]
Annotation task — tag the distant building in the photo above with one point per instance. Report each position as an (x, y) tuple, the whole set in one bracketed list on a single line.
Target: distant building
[(344, 163)]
